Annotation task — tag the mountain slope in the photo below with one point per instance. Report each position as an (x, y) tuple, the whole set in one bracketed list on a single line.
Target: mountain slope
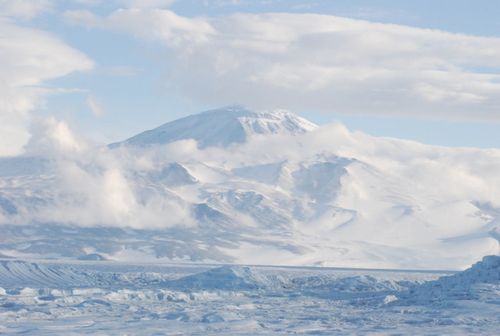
[(280, 191)]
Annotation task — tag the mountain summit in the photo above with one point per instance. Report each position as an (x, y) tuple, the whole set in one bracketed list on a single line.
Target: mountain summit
[(222, 127)]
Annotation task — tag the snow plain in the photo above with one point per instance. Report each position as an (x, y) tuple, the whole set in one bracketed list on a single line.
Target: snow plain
[(109, 298)]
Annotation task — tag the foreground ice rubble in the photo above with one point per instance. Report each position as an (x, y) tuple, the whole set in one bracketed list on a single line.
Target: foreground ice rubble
[(110, 298), (481, 280)]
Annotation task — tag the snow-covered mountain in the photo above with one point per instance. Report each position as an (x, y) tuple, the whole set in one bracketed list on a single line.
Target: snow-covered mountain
[(232, 185), (222, 127)]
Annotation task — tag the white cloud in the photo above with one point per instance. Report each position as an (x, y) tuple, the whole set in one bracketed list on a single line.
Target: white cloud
[(321, 62), (50, 136), (94, 186), (27, 58), (24, 9)]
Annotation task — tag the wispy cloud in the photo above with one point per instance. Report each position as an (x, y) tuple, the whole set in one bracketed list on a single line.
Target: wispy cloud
[(146, 3), (120, 71), (149, 24), (95, 106), (24, 9)]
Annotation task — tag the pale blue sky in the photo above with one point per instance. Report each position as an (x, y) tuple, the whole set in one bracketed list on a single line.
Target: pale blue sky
[(132, 83)]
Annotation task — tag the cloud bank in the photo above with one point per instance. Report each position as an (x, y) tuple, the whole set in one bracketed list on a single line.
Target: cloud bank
[(320, 62), (88, 186)]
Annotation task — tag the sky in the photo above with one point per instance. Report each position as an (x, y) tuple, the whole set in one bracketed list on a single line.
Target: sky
[(421, 70)]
